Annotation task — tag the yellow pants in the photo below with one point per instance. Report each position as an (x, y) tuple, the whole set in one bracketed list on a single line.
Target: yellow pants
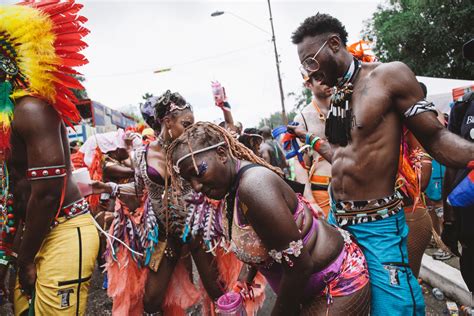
[(64, 267)]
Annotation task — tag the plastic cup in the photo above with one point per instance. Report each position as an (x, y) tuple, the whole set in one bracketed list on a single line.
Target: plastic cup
[(83, 181), (230, 304)]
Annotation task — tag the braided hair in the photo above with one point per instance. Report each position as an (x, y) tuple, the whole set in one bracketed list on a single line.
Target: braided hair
[(205, 134), (247, 135), (155, 109)]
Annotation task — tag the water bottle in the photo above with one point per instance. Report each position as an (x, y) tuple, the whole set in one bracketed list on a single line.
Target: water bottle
[(438, 294)]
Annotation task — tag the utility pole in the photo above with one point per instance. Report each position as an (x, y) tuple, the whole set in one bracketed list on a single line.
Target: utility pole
[(277, 59)]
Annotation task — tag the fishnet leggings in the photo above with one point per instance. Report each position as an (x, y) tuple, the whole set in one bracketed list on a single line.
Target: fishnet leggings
[(419, 236), (355, 304)]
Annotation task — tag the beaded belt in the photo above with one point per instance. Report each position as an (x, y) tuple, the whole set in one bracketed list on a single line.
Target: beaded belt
[(356, 212)]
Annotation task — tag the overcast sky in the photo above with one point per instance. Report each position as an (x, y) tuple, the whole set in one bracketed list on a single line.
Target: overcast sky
[(131, 39)]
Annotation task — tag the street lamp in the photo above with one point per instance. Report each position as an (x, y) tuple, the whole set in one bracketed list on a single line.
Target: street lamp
[(282, 96)]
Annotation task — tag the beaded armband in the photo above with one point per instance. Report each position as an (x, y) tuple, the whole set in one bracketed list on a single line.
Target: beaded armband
[(41, 173), (420, 107), (294, 250)]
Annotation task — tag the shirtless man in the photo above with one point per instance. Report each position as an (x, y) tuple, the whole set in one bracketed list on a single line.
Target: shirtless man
[(58, 242), (39, 140), (318, 173), (365, 138)]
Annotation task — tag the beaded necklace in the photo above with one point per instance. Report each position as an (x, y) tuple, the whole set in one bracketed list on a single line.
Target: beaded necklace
[(339, 121)]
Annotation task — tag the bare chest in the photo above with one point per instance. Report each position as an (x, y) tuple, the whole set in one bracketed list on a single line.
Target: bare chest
[(372, 110)]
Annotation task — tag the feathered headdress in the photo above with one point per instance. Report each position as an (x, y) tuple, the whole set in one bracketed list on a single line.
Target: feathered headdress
[(40, 42)]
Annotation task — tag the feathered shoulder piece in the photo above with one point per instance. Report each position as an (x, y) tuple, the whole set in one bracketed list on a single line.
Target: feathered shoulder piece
[(362, 51), (40, 43)]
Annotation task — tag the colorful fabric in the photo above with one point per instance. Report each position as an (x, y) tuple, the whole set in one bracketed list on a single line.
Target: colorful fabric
[(345, 276), (463, 194), (394, 289), (322, 199), (352, 274), (355, 212), (64, 267), (203, 219), (360, 50)]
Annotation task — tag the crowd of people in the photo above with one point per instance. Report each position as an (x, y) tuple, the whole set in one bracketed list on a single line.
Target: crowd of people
[(182, 213)]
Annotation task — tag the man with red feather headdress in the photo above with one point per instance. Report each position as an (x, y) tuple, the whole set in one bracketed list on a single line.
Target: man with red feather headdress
[(56, 243)]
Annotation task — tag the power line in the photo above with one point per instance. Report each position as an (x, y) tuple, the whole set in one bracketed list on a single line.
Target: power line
[(193, 61)]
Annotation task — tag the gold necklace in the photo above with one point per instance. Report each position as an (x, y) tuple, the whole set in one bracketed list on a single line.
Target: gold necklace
[(322, 117)]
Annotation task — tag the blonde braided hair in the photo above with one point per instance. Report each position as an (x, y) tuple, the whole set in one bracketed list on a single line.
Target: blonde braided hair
[(204, 134)]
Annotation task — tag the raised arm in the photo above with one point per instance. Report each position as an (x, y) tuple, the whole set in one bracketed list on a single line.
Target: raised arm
[(39, 126), (301, 173), (269, 215), (435, 138)]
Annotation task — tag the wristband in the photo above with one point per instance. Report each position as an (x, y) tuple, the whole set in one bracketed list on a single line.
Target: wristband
[(318, 145), (314, 141), (226, 106), (308, 138), (115, 189), (470, 165)]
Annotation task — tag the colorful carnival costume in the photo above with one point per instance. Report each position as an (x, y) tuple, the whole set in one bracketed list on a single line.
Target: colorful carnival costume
[(378, 225), (143, 231), (39, 44), (346, 275), (416, 213)]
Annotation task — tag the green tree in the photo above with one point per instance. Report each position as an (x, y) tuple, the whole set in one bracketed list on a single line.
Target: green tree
[(301, 99), (275, 120), (80, 94), (426, 35)]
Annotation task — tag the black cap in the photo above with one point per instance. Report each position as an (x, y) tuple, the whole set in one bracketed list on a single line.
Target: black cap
[(468, 50)]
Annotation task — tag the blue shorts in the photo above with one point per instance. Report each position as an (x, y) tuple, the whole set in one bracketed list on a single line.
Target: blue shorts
[(395, 290)]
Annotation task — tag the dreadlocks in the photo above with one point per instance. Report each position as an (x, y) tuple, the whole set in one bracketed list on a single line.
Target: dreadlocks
[(204, 134)]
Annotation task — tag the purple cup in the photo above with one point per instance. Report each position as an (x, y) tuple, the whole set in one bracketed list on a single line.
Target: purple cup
[(230, 304)]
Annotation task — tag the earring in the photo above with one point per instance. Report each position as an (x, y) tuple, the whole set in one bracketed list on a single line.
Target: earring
[(170, 133)]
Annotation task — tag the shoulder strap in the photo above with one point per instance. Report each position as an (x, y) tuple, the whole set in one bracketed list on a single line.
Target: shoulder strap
[(232, 193), (241, 171), (304, 120)]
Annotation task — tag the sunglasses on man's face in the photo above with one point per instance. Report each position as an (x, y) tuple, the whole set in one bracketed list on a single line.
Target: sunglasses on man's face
[(310, 64)]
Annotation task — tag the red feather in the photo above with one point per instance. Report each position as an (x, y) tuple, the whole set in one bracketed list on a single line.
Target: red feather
[(68, 81), (73, 62), (68, 70), (58, 8), (72, 43), (66, 37), (67, 92)]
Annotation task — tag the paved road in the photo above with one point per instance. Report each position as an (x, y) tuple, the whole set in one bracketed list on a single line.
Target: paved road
[(100, 305)]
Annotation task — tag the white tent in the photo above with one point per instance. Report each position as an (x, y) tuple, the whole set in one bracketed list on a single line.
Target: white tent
[(440, 90)]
